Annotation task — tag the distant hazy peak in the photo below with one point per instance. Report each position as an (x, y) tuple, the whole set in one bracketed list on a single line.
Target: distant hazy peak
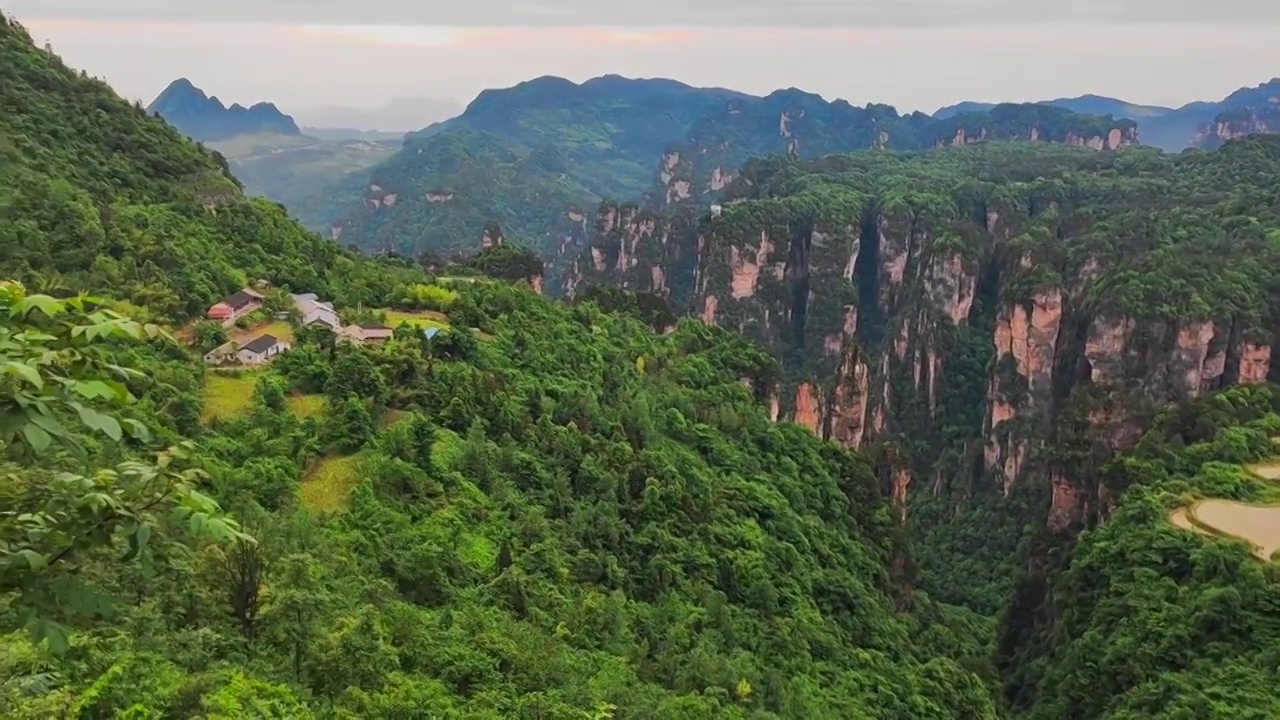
[(204, 117)]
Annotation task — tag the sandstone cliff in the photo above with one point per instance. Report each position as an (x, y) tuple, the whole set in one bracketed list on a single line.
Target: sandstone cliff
[(1241, 122), (1004, 331)]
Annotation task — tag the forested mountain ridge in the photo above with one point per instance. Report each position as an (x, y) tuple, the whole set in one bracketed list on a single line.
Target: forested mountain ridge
[(530, 156), (1196, 124), (1002, 316), (201, 117), (560, 513), (1262, 118)]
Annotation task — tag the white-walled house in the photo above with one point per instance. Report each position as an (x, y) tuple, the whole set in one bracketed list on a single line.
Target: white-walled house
[(312, 310), (261, 350)]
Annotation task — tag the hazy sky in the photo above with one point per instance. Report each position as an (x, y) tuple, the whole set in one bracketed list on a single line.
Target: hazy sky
[(915, 54)]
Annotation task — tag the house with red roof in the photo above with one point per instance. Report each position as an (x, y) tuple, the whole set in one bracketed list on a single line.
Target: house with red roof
[(235, 306)]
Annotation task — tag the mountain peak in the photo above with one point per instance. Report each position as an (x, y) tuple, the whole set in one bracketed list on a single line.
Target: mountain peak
[(203, 117)]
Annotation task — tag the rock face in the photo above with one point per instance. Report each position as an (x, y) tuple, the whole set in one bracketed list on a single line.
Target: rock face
[(1256, 118), (987, 328)]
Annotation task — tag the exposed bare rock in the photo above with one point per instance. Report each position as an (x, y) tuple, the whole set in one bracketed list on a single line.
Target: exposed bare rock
[(719, 179), (952, 288), (808, 408), (1190, 351), (679, 190), (849, 402), (1064, 507), (1105, 347), (746, 271), (1031, 336), (709, 310), (899, 484), (1255, 363)]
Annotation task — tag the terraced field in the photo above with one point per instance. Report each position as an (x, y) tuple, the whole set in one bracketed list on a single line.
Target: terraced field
[(1259, 525), (423, 318)]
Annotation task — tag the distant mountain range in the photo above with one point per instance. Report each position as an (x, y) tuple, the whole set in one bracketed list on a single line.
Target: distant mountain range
[(270, 154), (201, 117), (1173, 129), (527, 155)]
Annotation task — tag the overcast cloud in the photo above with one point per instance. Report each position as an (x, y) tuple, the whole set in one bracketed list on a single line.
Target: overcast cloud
[(740, 13)]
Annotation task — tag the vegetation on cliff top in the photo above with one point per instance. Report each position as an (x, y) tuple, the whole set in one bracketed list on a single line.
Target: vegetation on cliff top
[(525, 156)]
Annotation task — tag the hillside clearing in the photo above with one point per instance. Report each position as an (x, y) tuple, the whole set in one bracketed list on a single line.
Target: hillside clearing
[(421, 318), (1256, 524), (281, 329), (226, 396), (327, 485), (1267, 471), (305, 406)]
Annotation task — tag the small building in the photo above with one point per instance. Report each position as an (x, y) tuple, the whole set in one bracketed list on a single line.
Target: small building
[(431, 332), (220, 312), (221, 355), (361, 334), (716, 211), (261, 350), (235, 306), (311, 311)]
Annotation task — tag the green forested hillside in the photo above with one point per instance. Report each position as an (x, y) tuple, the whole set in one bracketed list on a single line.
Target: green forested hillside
[(1150, 617), (558, 514), (95, 194)]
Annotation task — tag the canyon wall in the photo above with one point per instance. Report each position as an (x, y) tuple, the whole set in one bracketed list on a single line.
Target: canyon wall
[(992, 331)]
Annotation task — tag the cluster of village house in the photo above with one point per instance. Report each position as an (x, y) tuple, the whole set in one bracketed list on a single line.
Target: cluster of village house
[(311, 311)]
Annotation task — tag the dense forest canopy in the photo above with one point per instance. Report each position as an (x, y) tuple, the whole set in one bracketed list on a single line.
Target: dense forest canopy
[(515, 507)]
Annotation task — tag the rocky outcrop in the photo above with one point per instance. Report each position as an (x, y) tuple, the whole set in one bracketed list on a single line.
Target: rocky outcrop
[(1256, 118)]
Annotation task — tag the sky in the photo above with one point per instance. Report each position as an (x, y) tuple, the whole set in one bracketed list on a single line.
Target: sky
[(913, 54)]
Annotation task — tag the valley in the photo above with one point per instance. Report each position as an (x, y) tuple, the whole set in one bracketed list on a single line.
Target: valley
[(630, 399)]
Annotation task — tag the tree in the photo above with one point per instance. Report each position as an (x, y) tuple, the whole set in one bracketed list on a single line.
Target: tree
[(297, 604), (350, 426), (209, 334), (58, 390), (354, 374), (244, 569), (269, 391)]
